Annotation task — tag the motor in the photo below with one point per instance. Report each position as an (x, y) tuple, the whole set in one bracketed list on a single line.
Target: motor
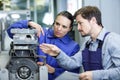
[(23, 53)]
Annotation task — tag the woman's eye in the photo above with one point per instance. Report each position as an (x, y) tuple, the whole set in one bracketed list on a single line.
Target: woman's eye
[(64, 27), (57, 23)]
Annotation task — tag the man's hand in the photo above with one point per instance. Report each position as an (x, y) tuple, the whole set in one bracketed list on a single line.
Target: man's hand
[(86, 75), (37, 27), (50, 49), (50, 68)]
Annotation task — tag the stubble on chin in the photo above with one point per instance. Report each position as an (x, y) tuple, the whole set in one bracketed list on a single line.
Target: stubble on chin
[(84, 35)]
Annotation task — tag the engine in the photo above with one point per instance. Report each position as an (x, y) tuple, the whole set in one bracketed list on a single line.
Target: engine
[(23, 53)]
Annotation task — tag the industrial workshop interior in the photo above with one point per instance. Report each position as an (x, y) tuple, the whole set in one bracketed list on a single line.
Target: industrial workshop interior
[(18, 57)]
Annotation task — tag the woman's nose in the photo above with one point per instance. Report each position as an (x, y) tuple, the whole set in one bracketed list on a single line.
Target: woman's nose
[(60, 27)]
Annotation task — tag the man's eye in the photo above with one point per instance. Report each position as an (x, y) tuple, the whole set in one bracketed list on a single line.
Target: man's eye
[(80, 23)]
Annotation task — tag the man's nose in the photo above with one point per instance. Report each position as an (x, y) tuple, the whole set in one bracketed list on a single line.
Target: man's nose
[(78, 27)]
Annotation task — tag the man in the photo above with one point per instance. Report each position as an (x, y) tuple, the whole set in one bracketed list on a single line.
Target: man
[(58, 36), (100, 56)]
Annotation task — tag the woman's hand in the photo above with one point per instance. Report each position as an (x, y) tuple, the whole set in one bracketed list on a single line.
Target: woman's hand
[(50, 68), (37, 27)]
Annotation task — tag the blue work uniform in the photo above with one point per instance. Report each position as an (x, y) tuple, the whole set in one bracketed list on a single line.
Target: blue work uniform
[(65, 43)]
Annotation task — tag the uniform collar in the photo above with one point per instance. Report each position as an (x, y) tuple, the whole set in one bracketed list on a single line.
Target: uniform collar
[(102, 34), (100, 37)]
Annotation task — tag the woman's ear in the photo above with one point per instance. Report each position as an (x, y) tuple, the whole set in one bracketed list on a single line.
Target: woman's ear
[(70, 29)]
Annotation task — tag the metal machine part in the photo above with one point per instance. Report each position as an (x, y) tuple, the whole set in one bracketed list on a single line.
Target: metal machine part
[(6, 19), (23, 69), (22, 65), (43, 70), (4, 74)]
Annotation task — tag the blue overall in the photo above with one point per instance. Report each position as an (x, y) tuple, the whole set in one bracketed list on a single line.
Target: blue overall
[(92, 60)]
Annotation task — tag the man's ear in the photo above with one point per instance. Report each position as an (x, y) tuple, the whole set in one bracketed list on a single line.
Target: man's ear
[(93, 20)]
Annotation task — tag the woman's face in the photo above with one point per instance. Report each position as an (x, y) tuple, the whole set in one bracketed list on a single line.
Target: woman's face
[(61, 26)]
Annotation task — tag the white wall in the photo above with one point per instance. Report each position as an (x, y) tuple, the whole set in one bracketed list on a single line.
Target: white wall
[(111, 14)]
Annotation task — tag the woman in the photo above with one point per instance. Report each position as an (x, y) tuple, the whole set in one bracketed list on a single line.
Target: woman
[(58, 36)]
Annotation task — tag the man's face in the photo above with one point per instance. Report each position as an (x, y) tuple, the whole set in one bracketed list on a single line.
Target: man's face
[(61, 26), (83, 25)]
